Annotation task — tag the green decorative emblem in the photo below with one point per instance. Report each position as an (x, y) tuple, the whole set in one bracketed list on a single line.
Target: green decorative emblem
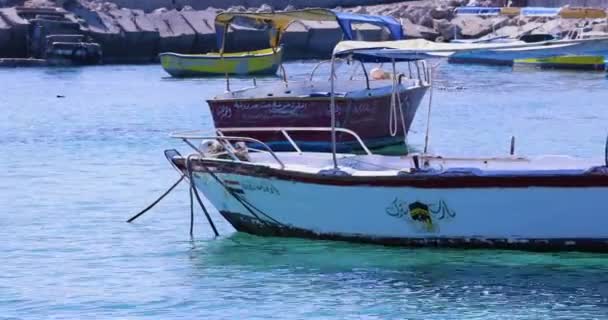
[(423, 216)]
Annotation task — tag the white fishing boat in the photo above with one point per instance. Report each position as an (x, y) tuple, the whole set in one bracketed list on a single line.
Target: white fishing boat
[(533, 48), (515, 202), (497, 53)]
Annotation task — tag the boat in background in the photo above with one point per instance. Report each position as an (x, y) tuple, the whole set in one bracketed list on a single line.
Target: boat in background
[(265, 61), (419, 200), (499, 53), (259, 62), (596, 63), (379, 105), (578, 60)]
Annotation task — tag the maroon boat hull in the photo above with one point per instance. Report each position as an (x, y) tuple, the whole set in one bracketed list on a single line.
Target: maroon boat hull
[(369, 117)]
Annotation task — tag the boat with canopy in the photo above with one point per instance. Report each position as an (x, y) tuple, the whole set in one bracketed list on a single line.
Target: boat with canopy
[(421, 199), (265, 61), (378, 104)]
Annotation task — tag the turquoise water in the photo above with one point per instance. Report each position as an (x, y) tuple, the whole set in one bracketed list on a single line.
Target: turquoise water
[(75, 167)]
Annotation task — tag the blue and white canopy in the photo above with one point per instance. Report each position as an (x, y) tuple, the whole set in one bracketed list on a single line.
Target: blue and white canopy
[(345, 21)]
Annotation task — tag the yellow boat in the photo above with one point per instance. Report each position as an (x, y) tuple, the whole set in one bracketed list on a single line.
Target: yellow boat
[(566, 62), (265, 61)]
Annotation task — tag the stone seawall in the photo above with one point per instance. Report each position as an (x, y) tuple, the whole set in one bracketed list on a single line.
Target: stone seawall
[(129, 35), (150, 5)]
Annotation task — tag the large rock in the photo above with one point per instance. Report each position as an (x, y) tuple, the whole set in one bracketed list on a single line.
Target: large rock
[(176, 35), (420, 15), (139, 37), (413, 30), (514, 31), (322, 38), (202, 23), (557, 26), (439, 13), (242, 38), (447, 30), (472, 27)]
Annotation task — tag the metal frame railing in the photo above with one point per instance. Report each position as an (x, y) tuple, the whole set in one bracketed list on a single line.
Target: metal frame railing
[(423, 77), (312, 73), (226, 141), (285, 130)]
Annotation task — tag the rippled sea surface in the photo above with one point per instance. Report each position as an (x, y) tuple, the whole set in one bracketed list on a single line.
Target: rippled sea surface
[(82, 150)]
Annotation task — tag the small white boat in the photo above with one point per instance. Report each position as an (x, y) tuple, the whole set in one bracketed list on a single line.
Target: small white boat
[(497, 53), (542, 50), (544, 203)]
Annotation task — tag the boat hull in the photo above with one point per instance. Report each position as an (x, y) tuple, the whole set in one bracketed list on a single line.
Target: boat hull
[(507, 55), (566, 62), (368, 116), (246, 63), (511, 212)]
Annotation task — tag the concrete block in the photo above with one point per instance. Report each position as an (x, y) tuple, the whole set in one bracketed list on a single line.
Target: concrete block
[(203, 24), (176, 35)]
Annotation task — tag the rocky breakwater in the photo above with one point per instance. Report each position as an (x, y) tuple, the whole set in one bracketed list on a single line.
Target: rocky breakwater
[(438, 21), (134, 36), (131, 35)]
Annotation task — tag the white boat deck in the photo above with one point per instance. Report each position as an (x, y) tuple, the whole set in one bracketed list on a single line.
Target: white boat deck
[(378, 165)]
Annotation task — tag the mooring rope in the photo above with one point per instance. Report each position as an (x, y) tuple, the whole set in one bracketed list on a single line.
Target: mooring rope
[(246, 204), (157, 200), (392, 114), (193, 191), (198, 199), (402, 116), (191, 211)]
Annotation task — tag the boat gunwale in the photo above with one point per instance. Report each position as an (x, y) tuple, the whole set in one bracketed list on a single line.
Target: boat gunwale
[(450, 180), (308, 98), (227, 56)]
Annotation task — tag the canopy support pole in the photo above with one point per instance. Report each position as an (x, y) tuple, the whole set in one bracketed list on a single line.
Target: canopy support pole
[(365, 74), (222, 55), (428, 118), (332, 108)]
